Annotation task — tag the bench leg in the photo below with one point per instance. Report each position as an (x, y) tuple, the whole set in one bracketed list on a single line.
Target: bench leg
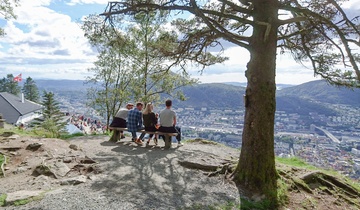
[(115, 136), (167, 141)]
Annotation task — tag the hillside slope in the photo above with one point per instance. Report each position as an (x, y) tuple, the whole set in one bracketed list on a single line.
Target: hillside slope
[(304, 98), (213, 95), (323, 92)]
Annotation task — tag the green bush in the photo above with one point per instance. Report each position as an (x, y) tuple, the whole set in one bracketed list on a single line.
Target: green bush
[(2, 199)]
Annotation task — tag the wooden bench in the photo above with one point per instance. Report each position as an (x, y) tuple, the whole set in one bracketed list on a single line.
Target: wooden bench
[(116, 135)]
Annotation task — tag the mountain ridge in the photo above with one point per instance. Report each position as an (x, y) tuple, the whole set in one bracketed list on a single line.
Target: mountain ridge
[(303, 98)]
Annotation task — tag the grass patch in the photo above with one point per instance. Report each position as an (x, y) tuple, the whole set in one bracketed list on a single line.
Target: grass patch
[(202, 141), (294, 161), (282, 195), (297, 162), (69, 136), (22, 202), (251, 205), (26, 132), (354, 184), (2, 199), (26, 201)]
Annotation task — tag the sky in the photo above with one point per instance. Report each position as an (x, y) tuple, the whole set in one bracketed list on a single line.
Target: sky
[(46, 42)]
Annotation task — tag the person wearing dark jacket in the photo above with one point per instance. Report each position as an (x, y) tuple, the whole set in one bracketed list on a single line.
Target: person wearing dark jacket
[(150, 121)]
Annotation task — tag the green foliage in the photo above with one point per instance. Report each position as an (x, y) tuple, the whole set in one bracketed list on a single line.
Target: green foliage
[(21, 132), (40, 132), (152, 74), (52, 121), (131, 64), (251, 205), (294, 161), (22, 202), (282, 192), (9, 85), (69, 136), (30, 90), (112, 73), (7, 11), (2, 199)]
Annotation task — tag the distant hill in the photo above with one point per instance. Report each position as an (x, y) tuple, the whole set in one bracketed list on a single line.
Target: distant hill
[(213, 95), (304, 98), (64, 85), (243, 84), (321, 91)]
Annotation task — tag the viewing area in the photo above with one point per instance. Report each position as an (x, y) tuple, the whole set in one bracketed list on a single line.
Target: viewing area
[(116, 135)]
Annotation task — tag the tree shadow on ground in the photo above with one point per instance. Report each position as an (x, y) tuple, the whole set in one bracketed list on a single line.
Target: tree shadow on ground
[(152, 178)]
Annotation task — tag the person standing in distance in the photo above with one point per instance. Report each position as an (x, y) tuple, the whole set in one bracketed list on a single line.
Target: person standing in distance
[(135, 122), (168, 121)]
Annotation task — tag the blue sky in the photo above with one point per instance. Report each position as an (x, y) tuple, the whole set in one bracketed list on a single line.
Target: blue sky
[(46, 41)]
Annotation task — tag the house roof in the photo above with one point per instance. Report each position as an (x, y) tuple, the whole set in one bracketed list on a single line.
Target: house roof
[(15, 104)]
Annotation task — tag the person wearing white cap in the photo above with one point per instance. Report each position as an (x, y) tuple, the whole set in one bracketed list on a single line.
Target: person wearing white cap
[(119, 120)]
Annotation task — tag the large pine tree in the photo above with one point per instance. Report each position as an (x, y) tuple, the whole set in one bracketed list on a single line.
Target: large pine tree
[(52, 120), (30, 90), (9, 85)]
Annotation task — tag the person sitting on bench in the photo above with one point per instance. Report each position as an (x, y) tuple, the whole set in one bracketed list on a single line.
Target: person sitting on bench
[(135, 122), (168, 121), (119, 121), (150, 121)]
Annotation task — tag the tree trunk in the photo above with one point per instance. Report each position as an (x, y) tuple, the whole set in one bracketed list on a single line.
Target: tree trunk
[(256, 168)]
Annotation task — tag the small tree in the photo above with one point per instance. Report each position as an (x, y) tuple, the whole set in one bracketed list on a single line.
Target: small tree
[(9, 85), (111, 74), (52, 120), (30, 90), (152, 72)]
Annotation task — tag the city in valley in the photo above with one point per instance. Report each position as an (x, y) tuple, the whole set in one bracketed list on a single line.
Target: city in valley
[(325, 141)]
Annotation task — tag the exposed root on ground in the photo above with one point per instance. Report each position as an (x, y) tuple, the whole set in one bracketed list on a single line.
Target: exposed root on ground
[(317, 185), (225, 168)]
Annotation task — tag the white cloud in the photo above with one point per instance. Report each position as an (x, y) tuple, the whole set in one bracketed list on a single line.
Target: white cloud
[(233, 70), (41, 40), (352, 4), (75, 2)]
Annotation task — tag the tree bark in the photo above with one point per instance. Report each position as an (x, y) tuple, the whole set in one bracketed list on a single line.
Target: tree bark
[(256, 171)]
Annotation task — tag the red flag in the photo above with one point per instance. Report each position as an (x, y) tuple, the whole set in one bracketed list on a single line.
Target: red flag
[(18, 78)]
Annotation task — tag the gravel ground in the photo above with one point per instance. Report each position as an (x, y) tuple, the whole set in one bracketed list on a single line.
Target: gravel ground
[(139, 177)]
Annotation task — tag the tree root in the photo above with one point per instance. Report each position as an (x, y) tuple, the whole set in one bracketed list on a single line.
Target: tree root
[(193, 165), (213, 170), (349, 200), (330, 182)]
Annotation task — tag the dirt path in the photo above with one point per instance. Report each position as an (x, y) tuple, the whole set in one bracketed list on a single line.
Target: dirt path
[(92, 173), (132, 176)]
